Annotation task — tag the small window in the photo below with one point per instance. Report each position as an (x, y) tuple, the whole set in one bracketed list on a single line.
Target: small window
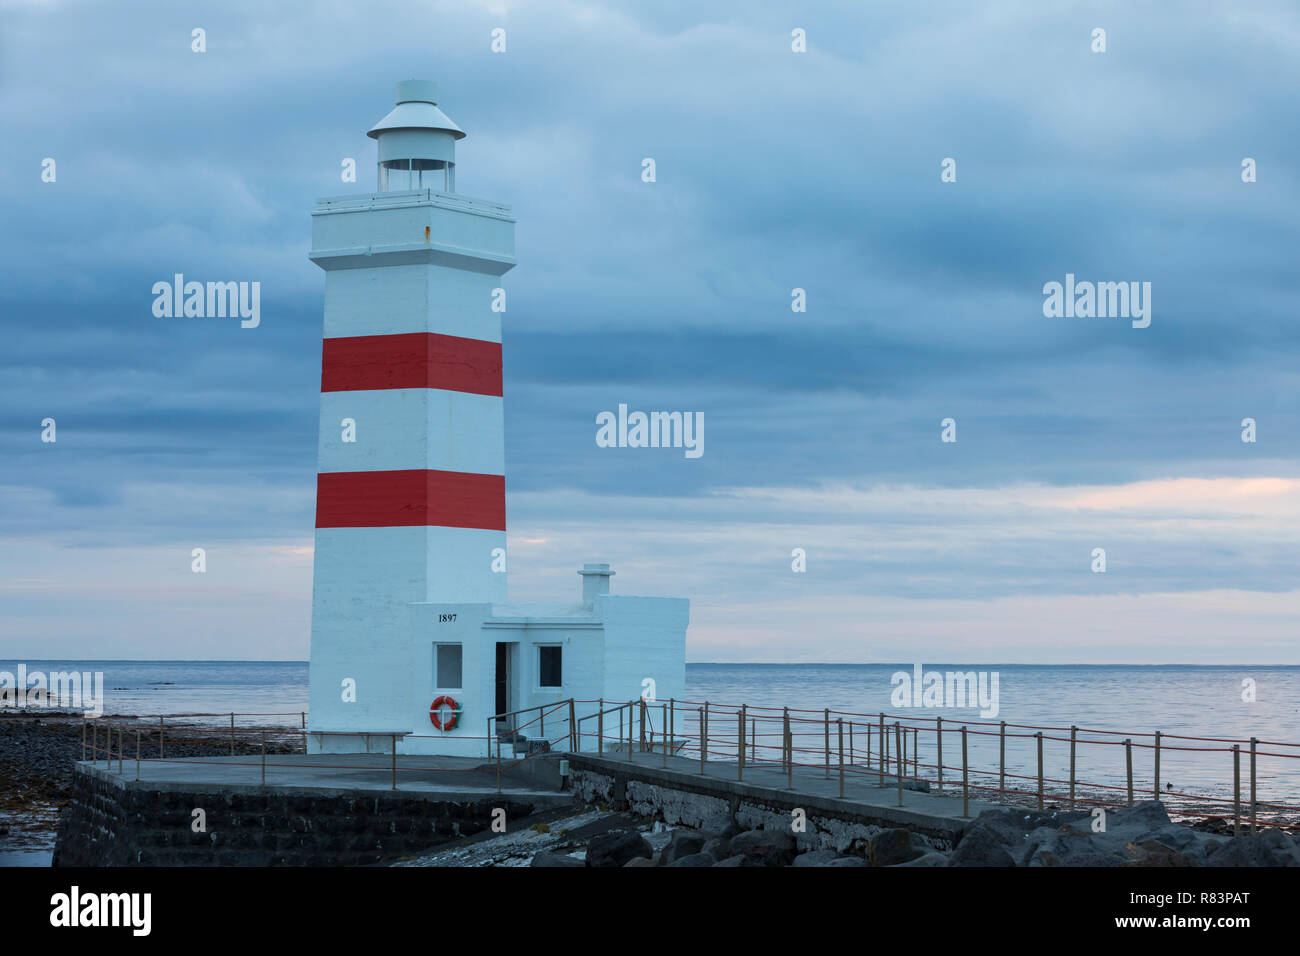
[(548, 666), (447, 666)]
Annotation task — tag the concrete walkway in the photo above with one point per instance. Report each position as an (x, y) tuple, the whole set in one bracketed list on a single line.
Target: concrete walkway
[(472, 778), (864, 799), (449, 778)]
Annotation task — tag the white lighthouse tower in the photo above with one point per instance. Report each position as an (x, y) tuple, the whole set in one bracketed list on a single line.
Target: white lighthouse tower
[(409, 586)]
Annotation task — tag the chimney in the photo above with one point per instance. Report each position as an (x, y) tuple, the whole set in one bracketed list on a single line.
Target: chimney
[(595, 580)]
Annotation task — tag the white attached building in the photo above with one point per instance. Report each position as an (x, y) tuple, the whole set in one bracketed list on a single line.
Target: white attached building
[(409, 591)]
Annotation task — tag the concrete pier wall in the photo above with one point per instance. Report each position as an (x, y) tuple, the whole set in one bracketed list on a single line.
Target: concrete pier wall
[(117, 822), (711, 802)]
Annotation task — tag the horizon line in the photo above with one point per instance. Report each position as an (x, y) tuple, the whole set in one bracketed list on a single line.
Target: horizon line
[(215, 660)]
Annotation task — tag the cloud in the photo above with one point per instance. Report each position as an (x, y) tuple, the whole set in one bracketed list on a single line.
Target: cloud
[(776, 171)]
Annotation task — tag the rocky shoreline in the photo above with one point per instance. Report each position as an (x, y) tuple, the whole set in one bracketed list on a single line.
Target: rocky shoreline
[(1138, 836)]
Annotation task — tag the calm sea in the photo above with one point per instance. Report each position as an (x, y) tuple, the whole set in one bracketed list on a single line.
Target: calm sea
[(1176, 700), (276, 691)]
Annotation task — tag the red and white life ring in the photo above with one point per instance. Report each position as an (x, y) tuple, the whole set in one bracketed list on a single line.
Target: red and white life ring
[(443, 713)]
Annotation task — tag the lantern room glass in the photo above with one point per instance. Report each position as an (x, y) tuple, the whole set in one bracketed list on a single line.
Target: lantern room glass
[(396, 175)]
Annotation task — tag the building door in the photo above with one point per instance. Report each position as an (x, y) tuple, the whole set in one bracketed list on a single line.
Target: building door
[(503, 677)]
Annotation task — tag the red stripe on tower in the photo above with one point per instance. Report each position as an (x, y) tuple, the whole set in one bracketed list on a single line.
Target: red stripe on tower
[(411, 360), (388, 499)]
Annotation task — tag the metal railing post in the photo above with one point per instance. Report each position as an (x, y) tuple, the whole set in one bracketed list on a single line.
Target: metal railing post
[(699, 711), (672, 726), (740, 743), (665, 735), (826, 726), (881, 756), (938, 742), (600, 726), (499, 765), (789, 755), (1157, 767), (898, 741), (965, 794), (785, 736), (740, 735), (1253, 827), (1039, 735), (1236, 789), (852, 756), (641, 708), (753, 739), (630, 706), (787, 748), (704, 734), (1128, 762), (1002, 757), (902, 753), (839, 725), (884, 749), (1073, 732)]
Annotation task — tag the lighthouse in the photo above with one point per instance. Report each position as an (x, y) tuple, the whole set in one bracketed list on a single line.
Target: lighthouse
[(412, 638)]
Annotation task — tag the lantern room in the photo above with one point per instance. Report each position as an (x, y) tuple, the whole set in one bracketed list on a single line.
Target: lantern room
[(417, 141)]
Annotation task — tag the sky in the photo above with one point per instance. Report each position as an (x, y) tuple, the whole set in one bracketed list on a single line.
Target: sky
[(775, 170)]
